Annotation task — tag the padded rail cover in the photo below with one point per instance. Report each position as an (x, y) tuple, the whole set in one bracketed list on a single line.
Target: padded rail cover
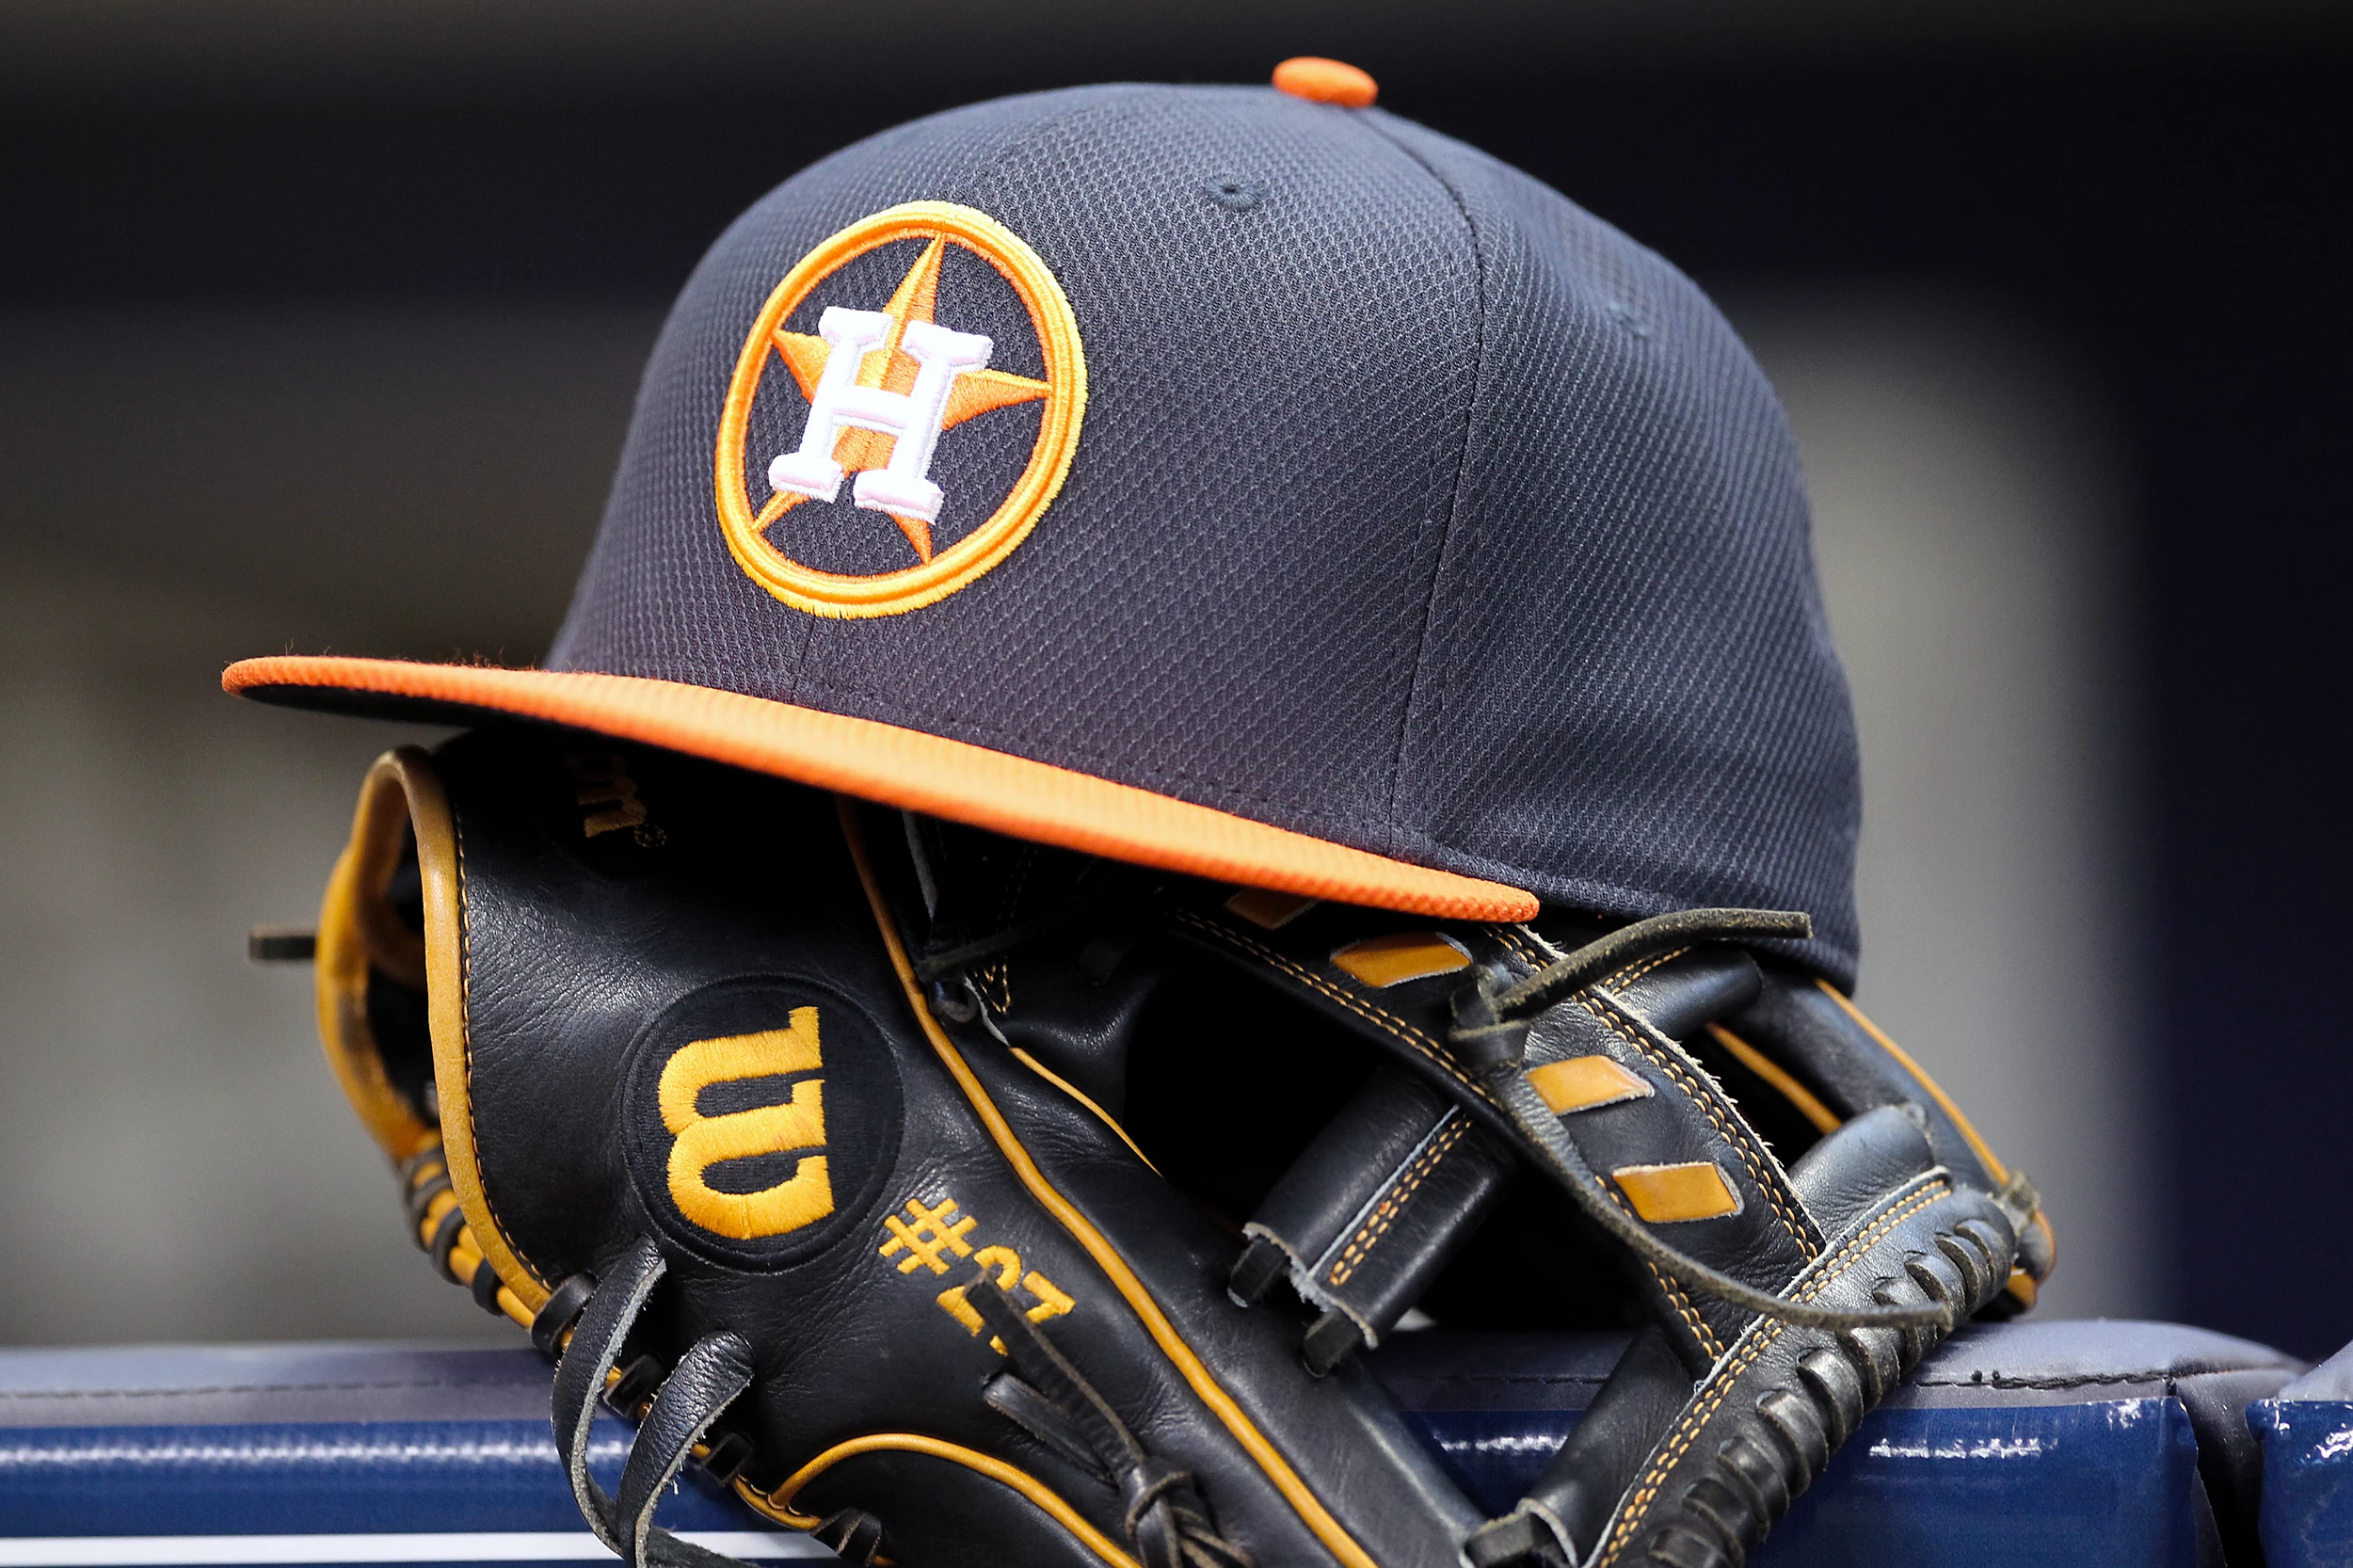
[(2307, 1434), (2082, 1444)]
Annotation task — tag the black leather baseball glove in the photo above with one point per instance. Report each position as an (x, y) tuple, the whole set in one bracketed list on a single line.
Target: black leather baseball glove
[(969, 1202)]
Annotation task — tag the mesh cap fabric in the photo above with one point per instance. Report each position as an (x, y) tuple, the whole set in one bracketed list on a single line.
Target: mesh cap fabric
[(1397, 501)]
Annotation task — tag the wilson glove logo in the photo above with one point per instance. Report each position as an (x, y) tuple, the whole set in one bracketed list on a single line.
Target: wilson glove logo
[(763, 1114), (928, 319), (702, 1141)]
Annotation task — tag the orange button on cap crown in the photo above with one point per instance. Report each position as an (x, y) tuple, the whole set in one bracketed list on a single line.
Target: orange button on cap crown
[(1321, 81)]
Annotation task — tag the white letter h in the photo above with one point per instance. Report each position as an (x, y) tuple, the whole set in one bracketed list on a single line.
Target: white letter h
[(911, 419)]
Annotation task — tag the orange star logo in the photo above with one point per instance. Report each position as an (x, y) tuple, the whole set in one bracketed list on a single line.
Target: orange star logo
[(858, 425), (975, 392)]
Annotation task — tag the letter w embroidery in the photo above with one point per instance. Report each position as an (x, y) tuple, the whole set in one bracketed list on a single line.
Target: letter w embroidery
[(804, 1198)]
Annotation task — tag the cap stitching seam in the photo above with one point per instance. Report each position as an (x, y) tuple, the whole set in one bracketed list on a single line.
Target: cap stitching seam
[(1036, 136), (1455, 508)]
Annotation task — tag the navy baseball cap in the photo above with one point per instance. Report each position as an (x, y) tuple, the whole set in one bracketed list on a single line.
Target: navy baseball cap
[(1235, 480)]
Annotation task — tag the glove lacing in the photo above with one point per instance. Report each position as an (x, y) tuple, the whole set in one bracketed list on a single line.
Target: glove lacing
[(1163, 1511), (706, 1379), (1165, 1516)]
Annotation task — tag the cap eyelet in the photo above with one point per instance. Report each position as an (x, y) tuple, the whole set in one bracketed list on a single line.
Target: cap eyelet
[(1626, 317)]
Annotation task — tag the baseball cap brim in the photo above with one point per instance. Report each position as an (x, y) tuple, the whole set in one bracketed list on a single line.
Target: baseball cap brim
[(896, 766)]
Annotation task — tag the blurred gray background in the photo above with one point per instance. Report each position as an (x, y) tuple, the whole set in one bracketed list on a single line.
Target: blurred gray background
[(318, 344)]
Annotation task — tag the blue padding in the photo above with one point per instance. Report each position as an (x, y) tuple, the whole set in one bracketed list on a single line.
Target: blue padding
[(1493, 1456), (2307, 1437), (2071, 1443), (2308, 1481), (304, 1440), (2068, 1443), (2079, 1485), (327, 1478), (2083, 1485)]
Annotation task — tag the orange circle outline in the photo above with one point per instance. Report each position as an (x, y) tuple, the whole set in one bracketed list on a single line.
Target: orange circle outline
[(834, 593)]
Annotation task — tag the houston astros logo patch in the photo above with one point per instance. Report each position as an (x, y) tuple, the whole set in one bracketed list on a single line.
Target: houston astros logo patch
[(762, 1113), (905, 408)]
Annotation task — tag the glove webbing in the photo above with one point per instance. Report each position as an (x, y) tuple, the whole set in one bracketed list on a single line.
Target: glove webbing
[(1490, 1038), (1165, 1516), (707, 1379)]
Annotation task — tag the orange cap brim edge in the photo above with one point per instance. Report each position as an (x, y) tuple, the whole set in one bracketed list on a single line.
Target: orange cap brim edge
[(917, 772)]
